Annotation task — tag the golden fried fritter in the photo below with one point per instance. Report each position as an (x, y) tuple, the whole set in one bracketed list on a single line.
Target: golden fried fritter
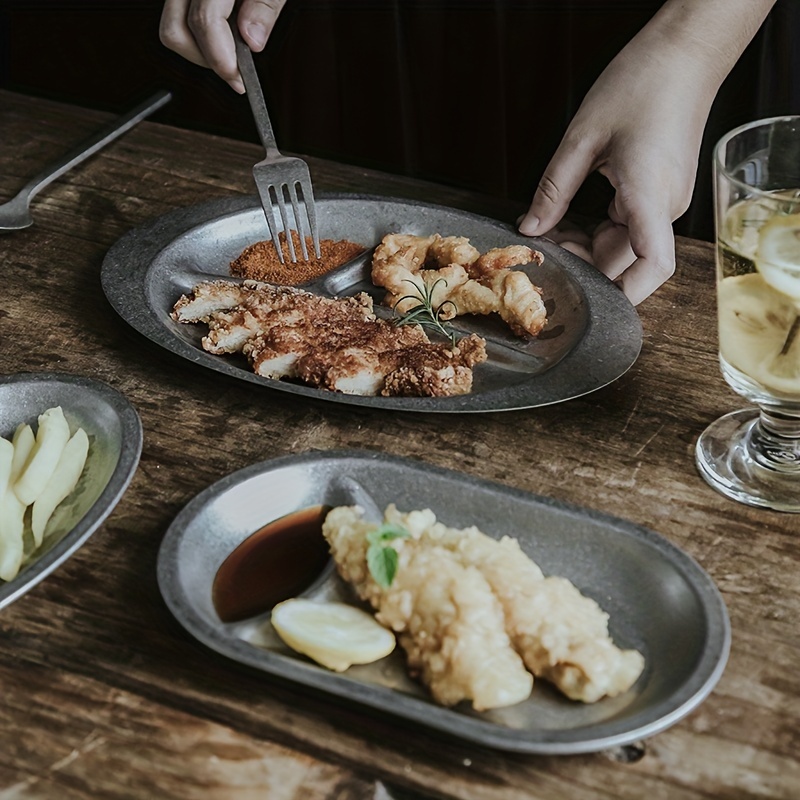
[(460, 279)]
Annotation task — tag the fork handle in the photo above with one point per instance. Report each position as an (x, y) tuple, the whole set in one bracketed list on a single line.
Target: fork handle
[(252, 85)]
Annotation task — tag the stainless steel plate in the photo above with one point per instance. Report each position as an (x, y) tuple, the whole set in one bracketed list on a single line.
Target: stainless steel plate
[(660, 601), (593, 336), (115, 443)]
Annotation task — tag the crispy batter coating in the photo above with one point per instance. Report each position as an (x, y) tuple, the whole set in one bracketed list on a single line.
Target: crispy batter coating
[(462, 280), (560, 634), (446, 617), (335, 344)]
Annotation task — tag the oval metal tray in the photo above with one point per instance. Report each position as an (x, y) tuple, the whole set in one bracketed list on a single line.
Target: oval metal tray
[(660, 601), (593, 335)]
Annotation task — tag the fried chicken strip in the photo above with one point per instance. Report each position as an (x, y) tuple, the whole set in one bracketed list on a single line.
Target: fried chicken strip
[(208, 298), (561, 634)]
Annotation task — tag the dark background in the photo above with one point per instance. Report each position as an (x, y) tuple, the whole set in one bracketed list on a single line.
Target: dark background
[(474, 94)]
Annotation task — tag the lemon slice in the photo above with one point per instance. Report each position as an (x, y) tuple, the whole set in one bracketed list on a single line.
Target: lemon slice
[(335, 635), (778, 254), (754, 323)]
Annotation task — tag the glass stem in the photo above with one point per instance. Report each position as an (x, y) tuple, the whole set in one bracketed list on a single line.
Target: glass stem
[(775, 441)]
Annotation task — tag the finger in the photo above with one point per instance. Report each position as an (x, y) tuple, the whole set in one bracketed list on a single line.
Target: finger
[(611, 249), (256, 20), (580, 249), (640, 256), (567, 231), (653, 242), (567, 170), (208, 22), (174, 33)]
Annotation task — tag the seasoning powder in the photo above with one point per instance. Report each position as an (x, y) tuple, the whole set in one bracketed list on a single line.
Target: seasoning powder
[(260, 262)]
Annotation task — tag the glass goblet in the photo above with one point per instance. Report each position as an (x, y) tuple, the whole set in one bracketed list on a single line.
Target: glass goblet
[(753, 455)]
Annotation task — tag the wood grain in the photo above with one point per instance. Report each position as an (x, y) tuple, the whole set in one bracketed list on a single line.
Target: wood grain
[(103, 694)]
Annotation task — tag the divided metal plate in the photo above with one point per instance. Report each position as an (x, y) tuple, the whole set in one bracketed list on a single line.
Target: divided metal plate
[(115, 444), (593, 335), (660, 601)]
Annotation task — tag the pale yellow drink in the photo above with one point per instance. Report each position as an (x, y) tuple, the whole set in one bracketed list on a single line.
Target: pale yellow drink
[(758, 295), (753, 454)]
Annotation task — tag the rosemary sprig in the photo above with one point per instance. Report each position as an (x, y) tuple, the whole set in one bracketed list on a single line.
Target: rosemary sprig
[(425, 313)]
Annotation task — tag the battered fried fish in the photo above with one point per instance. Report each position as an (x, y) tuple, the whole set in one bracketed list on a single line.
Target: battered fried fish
[(560, 634)]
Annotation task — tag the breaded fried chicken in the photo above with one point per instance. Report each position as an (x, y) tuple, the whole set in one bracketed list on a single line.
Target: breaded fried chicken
[(336, 344)]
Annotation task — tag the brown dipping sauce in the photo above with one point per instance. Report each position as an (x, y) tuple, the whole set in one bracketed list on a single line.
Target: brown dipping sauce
[(273, 564)]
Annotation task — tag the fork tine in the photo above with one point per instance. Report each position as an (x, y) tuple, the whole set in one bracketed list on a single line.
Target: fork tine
[(266, 202), (292, 171), (296, 209), (285, 218), (311, 212)]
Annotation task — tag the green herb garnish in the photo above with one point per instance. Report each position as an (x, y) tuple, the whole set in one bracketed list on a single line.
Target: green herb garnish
[(425, 313), (381, 556)]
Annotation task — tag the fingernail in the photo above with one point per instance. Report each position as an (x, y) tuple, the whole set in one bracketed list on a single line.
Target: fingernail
[(237, 86), (529, 225), (258, 35)]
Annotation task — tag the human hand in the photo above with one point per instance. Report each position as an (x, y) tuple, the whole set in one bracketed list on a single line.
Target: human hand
[(641, 125), (641, 128), (199, 31)]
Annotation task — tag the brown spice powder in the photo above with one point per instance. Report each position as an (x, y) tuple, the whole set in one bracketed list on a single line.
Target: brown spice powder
[(260, 262)]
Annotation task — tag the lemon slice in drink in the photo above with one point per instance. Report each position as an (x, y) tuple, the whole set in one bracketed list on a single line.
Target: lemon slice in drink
[(778, 254), (335, 635), (755, 322)]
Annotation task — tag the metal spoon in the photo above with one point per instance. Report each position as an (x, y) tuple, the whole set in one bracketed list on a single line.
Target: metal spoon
[(15, 214)]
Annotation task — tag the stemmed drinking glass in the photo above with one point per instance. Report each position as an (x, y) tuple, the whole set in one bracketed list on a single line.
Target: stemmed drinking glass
[(753, 455)]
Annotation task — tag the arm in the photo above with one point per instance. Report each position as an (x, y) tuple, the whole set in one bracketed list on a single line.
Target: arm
[(641, 126), (199, 31)]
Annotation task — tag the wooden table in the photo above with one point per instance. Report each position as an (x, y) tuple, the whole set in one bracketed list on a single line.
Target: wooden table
[(103, 694)]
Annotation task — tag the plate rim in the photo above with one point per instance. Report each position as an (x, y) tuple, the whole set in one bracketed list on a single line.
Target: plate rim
[(118, 482), (127, 262), (708, 670)]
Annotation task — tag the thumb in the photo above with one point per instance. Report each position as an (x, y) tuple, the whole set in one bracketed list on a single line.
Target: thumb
[(562, 178), (256, 20)]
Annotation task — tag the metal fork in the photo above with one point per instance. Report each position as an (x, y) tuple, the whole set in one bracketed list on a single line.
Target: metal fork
[(279, 179)]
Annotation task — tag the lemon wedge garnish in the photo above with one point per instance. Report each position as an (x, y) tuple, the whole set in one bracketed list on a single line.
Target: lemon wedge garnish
[(335, 635), (778, 254)]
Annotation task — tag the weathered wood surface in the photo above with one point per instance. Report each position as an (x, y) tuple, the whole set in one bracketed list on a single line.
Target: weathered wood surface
[(102, 693)]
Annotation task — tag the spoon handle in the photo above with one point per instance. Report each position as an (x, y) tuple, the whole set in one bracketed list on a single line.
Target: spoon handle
[(94, 143)]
